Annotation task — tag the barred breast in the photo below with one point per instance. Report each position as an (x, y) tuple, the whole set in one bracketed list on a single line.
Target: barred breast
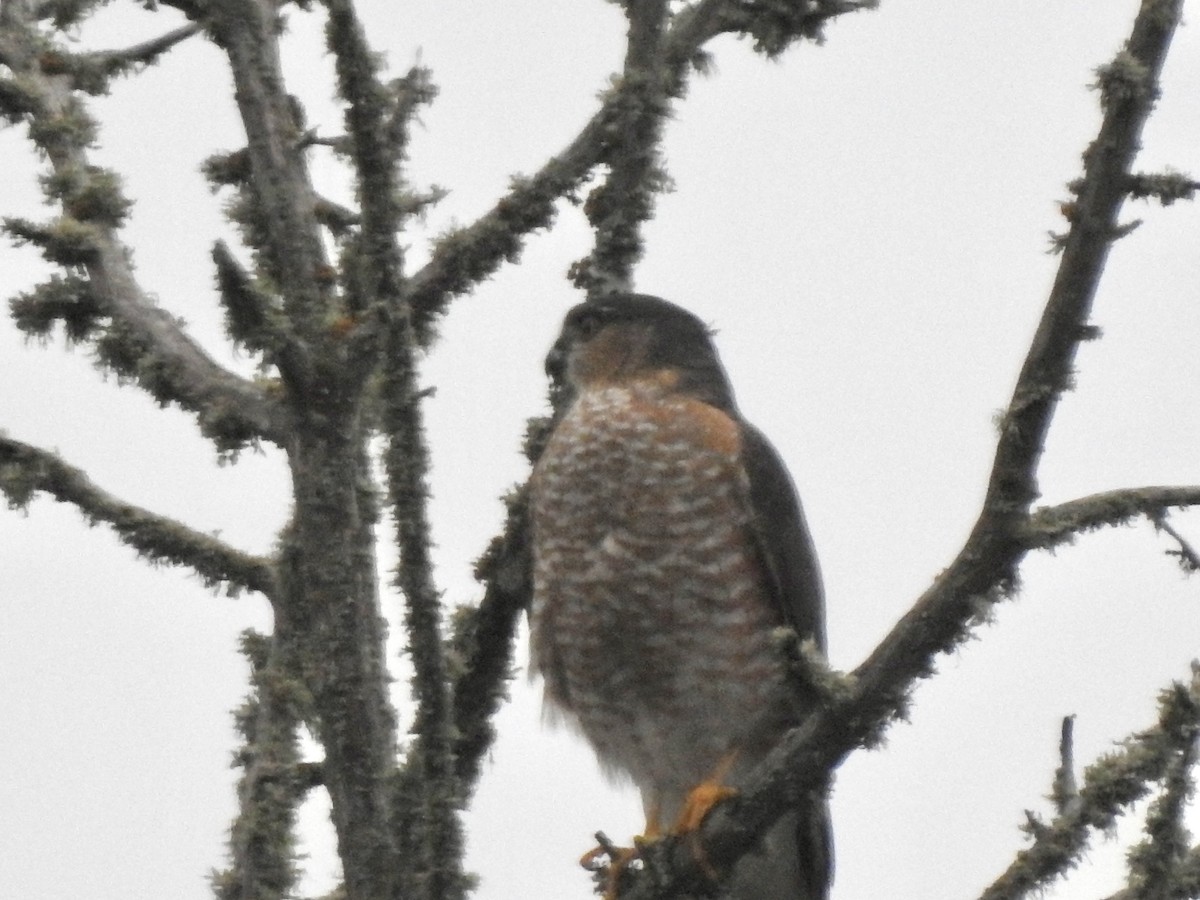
[(651, 623)]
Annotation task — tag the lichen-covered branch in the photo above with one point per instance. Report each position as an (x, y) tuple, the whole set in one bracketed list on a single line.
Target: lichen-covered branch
[(91, 72), (774, 25), (1165, 187), (377, 144), (254, 319), (376, 126), (624, 200), (26, 470), (1051, 526), (284, 230), (132, 335), (484, 637), (467, 256), (1156, 862), (262, 840), (1110, 786), (984, 571), (407, 463)]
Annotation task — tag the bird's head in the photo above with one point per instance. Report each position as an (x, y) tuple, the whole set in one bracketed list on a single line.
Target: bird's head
[(624, 337)]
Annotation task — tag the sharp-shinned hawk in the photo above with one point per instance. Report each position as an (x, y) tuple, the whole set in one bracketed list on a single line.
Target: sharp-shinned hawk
[(669, 548)]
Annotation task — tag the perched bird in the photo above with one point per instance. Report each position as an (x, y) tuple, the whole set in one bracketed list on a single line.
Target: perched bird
[(669, 548)]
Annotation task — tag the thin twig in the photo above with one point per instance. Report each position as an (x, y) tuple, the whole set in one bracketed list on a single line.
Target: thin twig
[(1188, 558), (115, 61), (1065, 792)]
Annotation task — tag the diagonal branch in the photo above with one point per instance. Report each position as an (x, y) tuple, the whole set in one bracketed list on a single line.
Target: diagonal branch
[(466, 257), (1110, 785), (984, 571), (116, 62), (1051, 526), (1189, 559), (1156, 863), (26, 470)]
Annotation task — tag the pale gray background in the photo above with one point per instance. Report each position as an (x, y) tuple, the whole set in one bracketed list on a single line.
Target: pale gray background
[(865, 223)]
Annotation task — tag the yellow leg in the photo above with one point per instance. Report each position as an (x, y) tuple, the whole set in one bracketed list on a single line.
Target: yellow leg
[(699, 803), (704, 796)]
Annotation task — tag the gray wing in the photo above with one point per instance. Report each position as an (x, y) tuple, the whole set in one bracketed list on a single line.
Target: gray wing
[(782, 537), (790, 559)]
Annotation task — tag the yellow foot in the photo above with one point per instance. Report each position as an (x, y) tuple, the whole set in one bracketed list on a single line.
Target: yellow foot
[(696, 806), (619, 859)]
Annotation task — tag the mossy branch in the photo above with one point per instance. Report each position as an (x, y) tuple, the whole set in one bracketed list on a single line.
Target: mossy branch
[(1051, 526), (281, 221), (251, 315), (376, 141), (62, 298), (1156, 862), (407, 464), (467, 256), (484, 637), (133, 335), (1165, 187), (482, 644), (624, 200), (254, 319), (274, 781), (1109, 787), (26, 470), (93, 72), (376, 128)]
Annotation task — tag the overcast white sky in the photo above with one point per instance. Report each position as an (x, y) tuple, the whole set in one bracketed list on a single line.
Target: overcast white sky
[(865, 223)]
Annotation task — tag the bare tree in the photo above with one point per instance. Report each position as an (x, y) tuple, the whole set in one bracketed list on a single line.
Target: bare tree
[(320, 294)]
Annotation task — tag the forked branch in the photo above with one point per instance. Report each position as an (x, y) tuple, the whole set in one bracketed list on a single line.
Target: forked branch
[(137, 338)]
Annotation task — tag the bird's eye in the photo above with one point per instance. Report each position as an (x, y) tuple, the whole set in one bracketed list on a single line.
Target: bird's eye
[(588, 325)]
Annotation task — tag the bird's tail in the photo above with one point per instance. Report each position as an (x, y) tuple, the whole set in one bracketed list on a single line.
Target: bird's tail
[(794, 861)]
